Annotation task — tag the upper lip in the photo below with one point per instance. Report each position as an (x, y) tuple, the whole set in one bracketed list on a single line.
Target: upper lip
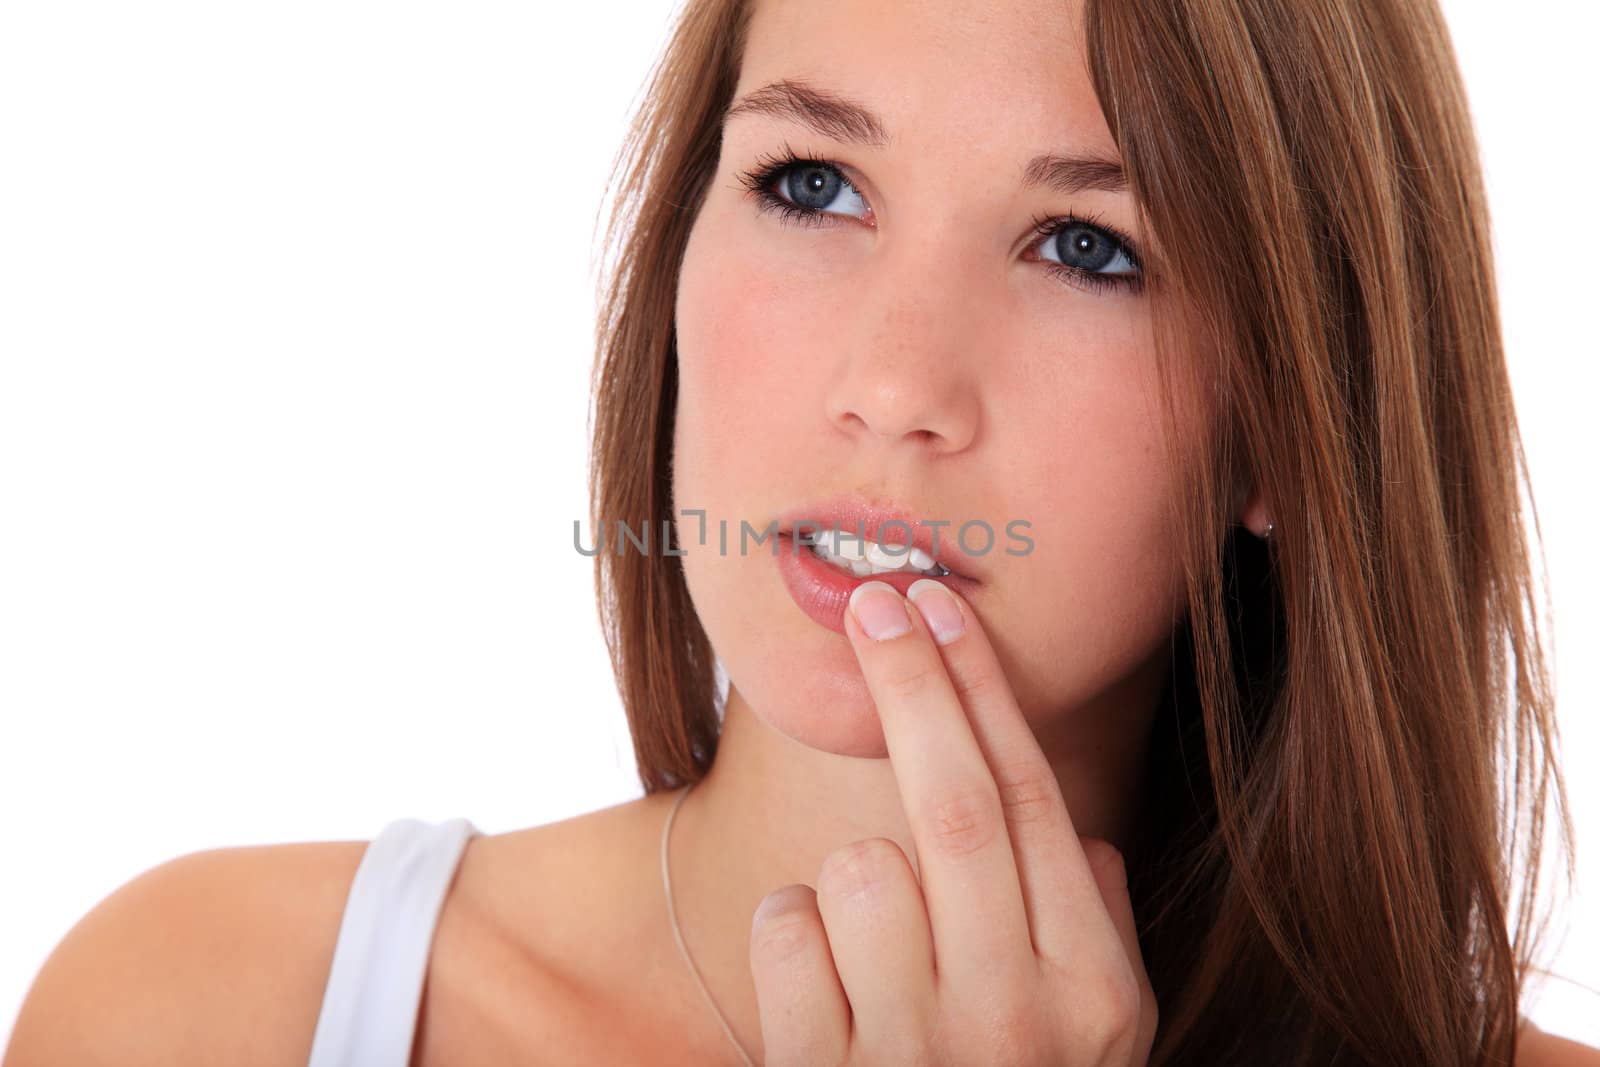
[(852, 514)]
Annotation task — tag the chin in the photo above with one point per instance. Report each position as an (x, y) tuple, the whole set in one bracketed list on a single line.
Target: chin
[(826, 710), (796, 677), (805, 683)]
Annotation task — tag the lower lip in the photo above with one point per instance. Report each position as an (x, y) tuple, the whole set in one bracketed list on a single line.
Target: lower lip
[(823, 590)]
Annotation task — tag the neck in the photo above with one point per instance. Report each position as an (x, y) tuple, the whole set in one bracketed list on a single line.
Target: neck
[(770, 810)]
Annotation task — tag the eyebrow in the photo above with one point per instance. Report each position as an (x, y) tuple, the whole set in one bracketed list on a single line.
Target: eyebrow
[(842, 119)]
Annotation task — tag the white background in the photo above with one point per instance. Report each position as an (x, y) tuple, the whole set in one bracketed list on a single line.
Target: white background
[(295, 316)]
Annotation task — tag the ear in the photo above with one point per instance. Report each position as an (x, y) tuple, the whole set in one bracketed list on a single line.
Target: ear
[(1255, 514), (1249, 503)]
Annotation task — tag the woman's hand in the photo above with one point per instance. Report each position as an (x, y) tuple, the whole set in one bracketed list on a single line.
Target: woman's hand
[(1017, 947)]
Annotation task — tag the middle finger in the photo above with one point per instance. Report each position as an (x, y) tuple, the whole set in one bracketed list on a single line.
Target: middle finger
[(964, 857)]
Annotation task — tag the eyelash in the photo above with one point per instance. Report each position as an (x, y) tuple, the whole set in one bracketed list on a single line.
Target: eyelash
[(758, 181)]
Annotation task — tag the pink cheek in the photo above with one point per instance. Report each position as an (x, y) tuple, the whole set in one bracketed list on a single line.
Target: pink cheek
[(748, 326), (738, 352)]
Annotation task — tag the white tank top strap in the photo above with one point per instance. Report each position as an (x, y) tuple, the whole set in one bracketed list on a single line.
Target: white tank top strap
[(369, 1007)]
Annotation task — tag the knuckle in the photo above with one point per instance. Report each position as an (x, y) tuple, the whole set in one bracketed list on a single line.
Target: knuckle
[(1029, 795), (973, 683), (785, 925), (783, 937), (860, 867), (1111, 1004), (911, 681), (964, 821)]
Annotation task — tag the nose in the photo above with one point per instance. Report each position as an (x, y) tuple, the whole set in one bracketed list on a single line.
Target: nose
[(908, 372)]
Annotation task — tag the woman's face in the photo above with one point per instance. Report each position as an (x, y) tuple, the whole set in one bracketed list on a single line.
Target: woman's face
[(916, 349)]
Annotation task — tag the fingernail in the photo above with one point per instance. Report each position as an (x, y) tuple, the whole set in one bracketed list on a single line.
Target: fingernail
[(939, 609), (880, 610)]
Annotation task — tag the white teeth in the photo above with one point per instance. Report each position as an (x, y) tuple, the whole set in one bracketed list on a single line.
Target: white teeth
[(848, 552), (879, 556), (842, 545)]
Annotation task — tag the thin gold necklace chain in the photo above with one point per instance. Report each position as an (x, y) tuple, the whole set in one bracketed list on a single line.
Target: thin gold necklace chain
[(672, 914)]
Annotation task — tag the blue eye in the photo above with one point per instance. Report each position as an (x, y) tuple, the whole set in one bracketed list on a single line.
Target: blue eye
[(817, 186), (1086, 247), (810, 192), (810, 187)]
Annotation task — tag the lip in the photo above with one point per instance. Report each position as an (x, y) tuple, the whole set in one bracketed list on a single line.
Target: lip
[(822, 590)]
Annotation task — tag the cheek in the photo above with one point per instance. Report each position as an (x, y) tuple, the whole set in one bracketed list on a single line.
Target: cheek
[(743, 313), (737, 353), (751, 328), (1087, 467)]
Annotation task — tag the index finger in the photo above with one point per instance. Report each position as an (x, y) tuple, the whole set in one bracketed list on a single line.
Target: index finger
[(964, 856)]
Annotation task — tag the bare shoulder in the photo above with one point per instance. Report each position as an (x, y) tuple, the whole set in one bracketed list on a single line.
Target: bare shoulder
[(499, 988), (1535, 1048), (219, 956), (550, 949), (564, 893)]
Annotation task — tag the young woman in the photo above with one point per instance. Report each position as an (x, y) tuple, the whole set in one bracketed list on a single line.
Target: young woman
[(1215, 727)]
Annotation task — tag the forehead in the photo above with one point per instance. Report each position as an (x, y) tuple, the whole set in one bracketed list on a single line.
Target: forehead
[(945, 72)]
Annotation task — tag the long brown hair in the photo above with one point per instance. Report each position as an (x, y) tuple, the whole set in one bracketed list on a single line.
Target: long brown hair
[(1352, 768)]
